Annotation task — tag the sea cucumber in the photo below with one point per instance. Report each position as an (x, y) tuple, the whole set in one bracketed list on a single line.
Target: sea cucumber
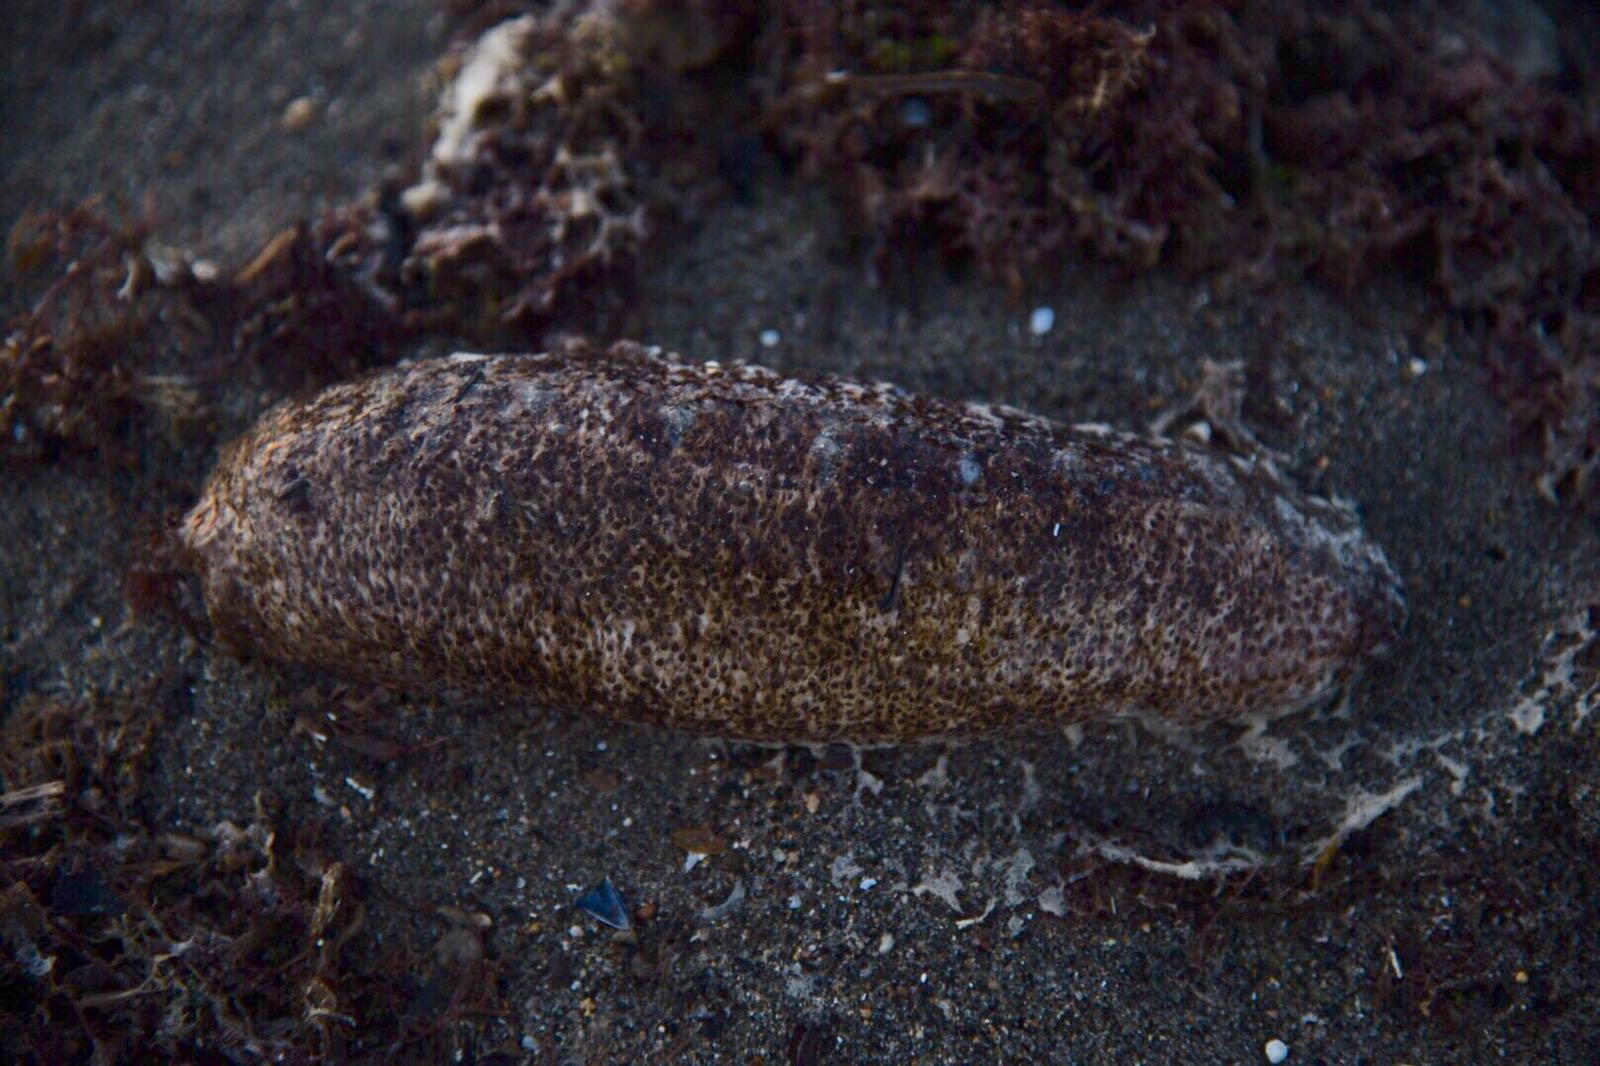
[(721, 549)]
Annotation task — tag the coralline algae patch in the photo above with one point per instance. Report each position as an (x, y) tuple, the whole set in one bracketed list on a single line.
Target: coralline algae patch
[(723, 550)]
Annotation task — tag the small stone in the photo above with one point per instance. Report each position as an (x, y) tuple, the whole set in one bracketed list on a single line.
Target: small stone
[(301, 112), (1053, 901), (916, 113), (700, 839), (1042, 321), (770, 338), (1276, 1051)]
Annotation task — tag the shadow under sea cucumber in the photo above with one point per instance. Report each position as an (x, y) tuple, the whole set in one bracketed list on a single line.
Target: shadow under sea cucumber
[(720, 549)]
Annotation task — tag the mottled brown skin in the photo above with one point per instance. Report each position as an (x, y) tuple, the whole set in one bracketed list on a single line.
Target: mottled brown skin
[(719, 549)]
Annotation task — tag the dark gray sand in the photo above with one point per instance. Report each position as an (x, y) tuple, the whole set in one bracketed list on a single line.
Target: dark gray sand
[(1021, 899)]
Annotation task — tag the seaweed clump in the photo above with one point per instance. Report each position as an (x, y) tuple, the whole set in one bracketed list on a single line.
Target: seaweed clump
[(123, 344), (978, 125), (562, 140), (77, 369), (124, 937), (1246, 141), (303, 315)]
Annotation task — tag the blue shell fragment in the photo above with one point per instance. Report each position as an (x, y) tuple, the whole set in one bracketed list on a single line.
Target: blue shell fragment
[(604, 904)]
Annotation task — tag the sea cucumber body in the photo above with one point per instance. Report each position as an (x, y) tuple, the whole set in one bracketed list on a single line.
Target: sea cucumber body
[(721, 549)]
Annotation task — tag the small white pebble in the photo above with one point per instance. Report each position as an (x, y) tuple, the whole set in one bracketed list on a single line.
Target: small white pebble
[(770, 338), (794, 903), (868, 882), (1416, 367), (1042, 321), (885, 943), (1276, 1050)]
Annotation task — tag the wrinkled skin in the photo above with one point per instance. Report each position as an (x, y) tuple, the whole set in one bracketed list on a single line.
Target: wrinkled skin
[(720, 549)]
